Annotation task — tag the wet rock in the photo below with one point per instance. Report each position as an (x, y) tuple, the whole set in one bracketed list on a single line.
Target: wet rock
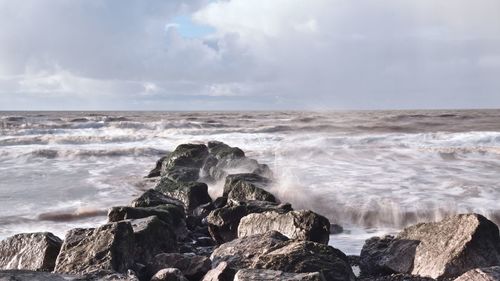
[(24, 275), (193, 267), (301, 225), (191, 194), (156, 172), (223, 222), (153, 198), (445, 249), (481, 274), (220, 273), (221, 150), (244, 187), (275, 275), (169, 274), (108, 276), (306, 256), (397, 277), (109, 247), (185, 162), (30, 251), (336, 229), (243, 252)]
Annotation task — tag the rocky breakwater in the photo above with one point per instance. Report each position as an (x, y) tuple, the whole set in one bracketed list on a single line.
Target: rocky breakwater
[(176, 231)]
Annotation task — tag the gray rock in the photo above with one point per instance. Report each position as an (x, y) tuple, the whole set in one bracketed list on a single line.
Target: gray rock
[(109, 247), (336, 229), (156, 172), (24, 275), (244, 187), (481, 274), (191, 194), (184, 163), (397, 277), (193, 267), (169, 274), (153, 198), (221, 150), (30, 251), (107, 275), (275, 275), (223, 222), (220, 273), (243, 252), (306, 256), (301, 225)]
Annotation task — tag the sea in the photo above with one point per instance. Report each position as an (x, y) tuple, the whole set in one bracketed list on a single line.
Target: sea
[(372, 172)]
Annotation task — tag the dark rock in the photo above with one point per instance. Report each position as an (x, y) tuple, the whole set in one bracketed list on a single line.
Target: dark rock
[(300, 225), (244, 187), (336, 229), (169, 274), (192, 194), (223, 222), (307, 256), (184, 163), (481, 274), (220, 273), (108, 276), (156, 172), (193, 267), (30, 251), (242, 252), (275, 275), (397, 277), (445, 249), (153, 198), (221, 150), (24, 275), (109, 247)]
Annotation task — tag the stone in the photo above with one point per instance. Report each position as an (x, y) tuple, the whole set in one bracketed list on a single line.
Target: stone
[(153, 198), (108, 247), (300, 225), (156, 172), (481, 274), (169, 274), (191, 194), (243, 252), (397, 277), (275, 275), (184, 163), (193, 267), (220, 273), (106, 275), (336, 228), (25, 275), (221, 150), (223, 222), (244, 187), (306, 256), (30, 251)]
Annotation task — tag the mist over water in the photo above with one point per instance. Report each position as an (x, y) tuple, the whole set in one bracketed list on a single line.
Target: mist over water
[(373, 172)]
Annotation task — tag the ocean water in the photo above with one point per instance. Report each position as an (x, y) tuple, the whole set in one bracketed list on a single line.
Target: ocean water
[(373, 172)]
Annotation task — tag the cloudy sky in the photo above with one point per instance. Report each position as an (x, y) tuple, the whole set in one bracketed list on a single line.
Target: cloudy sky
[(249, 54)]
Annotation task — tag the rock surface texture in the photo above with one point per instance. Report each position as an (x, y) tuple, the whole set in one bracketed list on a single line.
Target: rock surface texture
[(481, 274), (274, 275), (244, 187)]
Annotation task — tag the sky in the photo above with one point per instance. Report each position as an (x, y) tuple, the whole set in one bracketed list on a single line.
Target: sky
[(249, 54)]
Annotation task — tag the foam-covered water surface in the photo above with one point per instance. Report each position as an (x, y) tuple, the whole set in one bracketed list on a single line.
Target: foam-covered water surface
[(372, 171)]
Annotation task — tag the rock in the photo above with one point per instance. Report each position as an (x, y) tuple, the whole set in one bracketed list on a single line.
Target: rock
[(156, 172), (307, 256), (30, 251), (192, 194), (444, 249), (109, 247), (193, 267), (220, 273), (336, 229), (221, 150), (242, 252), (152, 236), (223, 222), (244, 187), (108, 276), (169, 274), (481, 274), (185, 162), (386, 255), (301, 225), (153, 198), (24, 275), (397, 277), (275, 275)]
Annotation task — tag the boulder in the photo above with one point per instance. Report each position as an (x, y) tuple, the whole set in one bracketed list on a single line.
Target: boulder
[(169, 274), (25, 275), (185, 162), (107, 275), (223, 222), (275, 275), (153, 198), (220, 273), (191, 194), (244, 187), (30, 251), (109, 247), (301, 225), (481, 274), (193, 267), (221, 150), (306, 256), (242, 252), (156, 172), (397, 277), (444, 249)]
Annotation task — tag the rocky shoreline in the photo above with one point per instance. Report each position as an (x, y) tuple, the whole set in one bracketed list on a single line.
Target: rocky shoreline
[(176, 231)]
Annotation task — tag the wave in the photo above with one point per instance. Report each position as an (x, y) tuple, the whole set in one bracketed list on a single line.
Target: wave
[(88, 153), (78, 214)]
